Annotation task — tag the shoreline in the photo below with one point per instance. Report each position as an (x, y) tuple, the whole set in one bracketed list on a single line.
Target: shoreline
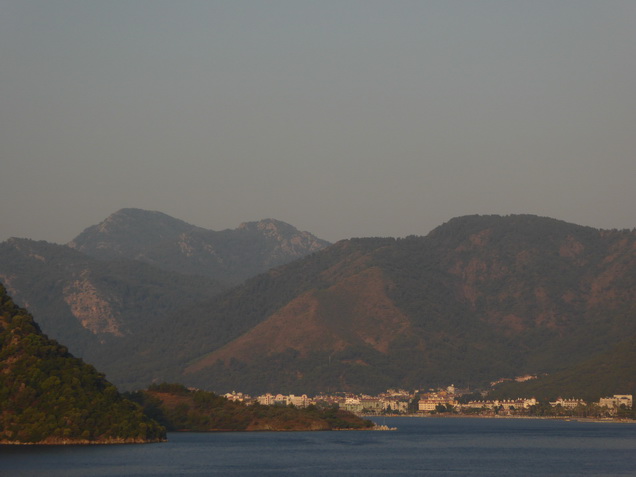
[(471, 416), (82, 442)]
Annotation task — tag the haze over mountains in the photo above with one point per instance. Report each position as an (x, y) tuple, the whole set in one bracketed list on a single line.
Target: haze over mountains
[(230, 256), (480, 297), (117, 279)]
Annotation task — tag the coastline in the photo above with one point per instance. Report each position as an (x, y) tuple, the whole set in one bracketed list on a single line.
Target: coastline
[(82, 442), (472, 416), (85, 442)]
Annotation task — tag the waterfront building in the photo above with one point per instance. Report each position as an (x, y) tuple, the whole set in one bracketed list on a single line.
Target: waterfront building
[(617, 401), (567, 403)]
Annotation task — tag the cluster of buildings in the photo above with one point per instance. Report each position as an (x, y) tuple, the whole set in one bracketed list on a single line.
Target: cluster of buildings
[(392, 401), (271, 399), (403, 402), (437, 401), (617, 401), (500, 405)]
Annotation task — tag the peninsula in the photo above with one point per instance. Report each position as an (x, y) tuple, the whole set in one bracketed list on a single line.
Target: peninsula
[(181, 409)]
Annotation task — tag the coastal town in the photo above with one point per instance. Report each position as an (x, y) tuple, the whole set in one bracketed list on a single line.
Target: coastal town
[(447, 401)]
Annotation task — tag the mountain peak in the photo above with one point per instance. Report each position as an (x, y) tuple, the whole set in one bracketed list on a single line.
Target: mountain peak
[(268, 224), (516, 228), (134, 216), (280, 230), (127, 232), (168, 243)]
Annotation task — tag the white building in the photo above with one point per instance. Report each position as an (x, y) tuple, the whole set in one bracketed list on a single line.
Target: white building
[(430, 401), (234, 396), (266, 399), (298, 401), (567, 403), (616, 401)]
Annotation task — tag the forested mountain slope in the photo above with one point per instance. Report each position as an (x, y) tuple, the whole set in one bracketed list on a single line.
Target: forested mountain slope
[(605, 374), (92, 305), (480, 297)]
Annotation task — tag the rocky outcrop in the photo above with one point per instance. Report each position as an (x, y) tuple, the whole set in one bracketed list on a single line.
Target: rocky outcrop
[(95, 312)]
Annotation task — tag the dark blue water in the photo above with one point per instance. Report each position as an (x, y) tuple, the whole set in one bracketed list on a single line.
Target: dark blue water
[(420, 446)]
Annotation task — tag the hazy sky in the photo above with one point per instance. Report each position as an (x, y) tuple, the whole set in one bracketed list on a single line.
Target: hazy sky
[(343, 118)]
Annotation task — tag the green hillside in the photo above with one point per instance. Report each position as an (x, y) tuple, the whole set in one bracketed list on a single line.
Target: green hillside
[(48, 396), (606, 374)]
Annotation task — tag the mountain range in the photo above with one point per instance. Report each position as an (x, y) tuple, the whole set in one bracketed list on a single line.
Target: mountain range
[(229, 256), (101, 293), (477, 299)]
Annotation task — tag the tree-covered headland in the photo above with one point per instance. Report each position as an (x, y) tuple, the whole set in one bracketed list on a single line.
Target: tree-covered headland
[(182, 409), (47, 396)]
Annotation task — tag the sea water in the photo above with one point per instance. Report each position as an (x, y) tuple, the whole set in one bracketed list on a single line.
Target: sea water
[(419, 446)]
